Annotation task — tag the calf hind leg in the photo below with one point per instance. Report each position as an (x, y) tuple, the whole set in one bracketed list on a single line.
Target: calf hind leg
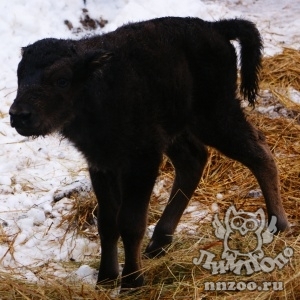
[(188, 157), (239, 140), (263, 167)]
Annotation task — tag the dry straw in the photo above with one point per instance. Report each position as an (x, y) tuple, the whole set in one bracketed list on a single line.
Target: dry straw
[(280, 74), (174, 276)]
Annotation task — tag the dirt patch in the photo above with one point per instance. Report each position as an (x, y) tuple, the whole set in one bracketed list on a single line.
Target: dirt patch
[(87, 23)]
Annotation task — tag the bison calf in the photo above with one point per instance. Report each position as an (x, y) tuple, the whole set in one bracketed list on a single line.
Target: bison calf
[(163, 86)]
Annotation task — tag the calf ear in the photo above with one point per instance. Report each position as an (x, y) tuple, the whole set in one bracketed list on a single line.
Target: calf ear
[(96, 59)]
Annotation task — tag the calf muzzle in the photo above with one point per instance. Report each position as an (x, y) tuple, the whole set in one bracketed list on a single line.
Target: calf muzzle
[(21, 119)]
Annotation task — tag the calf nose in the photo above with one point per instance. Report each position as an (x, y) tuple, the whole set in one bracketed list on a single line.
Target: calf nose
[(19, 117)]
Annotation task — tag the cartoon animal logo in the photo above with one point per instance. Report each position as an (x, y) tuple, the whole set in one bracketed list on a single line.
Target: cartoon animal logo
[(238, 224)]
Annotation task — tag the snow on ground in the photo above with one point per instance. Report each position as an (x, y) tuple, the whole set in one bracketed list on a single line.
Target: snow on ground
[(33, 171)]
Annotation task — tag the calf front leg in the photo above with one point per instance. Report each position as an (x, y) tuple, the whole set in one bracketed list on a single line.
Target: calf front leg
[(107, 189), (138, 182)]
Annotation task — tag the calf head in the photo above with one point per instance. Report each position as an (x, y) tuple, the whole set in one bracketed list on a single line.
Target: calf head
[(51, 75)]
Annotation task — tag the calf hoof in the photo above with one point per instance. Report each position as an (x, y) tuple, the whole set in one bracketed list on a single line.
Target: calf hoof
[(157, 249), (278, 225), (131, 283), (107, 281)]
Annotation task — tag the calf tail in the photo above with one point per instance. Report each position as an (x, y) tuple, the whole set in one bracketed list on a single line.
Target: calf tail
[(250, 55)]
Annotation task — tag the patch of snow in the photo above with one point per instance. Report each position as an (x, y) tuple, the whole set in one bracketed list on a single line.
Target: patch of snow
[(294, 95)]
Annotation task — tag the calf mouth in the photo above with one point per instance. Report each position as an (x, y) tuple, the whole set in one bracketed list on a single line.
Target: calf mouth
[(27, 131), (26, 127)]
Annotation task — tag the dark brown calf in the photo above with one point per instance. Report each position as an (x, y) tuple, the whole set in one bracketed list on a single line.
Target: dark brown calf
[(124, 98)]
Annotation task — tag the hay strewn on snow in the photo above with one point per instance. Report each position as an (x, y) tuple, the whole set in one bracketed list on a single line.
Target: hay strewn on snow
[(175, 276), (280, 73)]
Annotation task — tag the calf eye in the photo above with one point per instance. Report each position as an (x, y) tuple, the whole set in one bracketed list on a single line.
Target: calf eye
[(62, 82)]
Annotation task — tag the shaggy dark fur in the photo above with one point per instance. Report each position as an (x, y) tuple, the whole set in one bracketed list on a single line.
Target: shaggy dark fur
[(124, 98)]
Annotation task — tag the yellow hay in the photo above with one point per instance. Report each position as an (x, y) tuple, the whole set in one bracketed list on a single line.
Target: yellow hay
[(280, 73)]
